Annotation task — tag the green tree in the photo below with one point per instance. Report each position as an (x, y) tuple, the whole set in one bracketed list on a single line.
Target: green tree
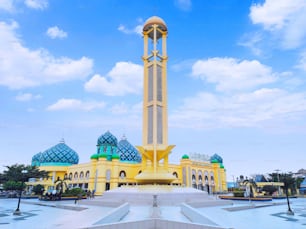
[(14, 185), (21, 172), (15, 176)]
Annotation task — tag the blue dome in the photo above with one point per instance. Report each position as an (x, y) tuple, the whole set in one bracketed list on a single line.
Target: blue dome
[(36, 159), (60, 154), (107, 139), (127, 152), (217, 158)]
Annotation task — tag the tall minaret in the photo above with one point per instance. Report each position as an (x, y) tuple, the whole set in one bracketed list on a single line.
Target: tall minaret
[(155, 148)]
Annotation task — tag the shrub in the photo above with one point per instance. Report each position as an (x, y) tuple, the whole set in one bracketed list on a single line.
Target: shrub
[(238, 193), (38, 189), (74, 192), (269, 189)]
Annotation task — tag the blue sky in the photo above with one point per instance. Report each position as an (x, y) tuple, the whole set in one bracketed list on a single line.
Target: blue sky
[(236, 78)]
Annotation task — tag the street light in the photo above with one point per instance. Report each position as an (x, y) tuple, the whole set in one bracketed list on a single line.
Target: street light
[(277, 172), (17, 211), (286, 184)]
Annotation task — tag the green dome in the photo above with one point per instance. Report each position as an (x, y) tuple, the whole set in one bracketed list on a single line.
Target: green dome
[(217, 158), (102, 155), (94, 156), (221, 166), (60, 154), (115, 156), (107, 139), (185, 156), (214, 161)]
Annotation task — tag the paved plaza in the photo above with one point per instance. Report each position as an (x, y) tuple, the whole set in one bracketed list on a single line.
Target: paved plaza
[(88, 213)]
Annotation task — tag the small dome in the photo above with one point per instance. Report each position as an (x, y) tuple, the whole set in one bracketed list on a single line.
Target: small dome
[(60, 154), (127, 152), (185, 156), (155, 20), (102, 155), (216, 158), (107, 139), (115, 156), (94, 156)]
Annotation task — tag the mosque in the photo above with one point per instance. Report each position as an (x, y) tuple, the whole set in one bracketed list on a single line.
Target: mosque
[(117, 163)]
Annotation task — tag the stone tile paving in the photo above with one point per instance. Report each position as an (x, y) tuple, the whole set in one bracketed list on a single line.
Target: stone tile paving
[(66, 214), (36, 216), (251, 216)]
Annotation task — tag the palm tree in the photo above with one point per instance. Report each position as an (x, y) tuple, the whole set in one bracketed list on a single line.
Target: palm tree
[(61, 183), (252, 186), (289, 182)]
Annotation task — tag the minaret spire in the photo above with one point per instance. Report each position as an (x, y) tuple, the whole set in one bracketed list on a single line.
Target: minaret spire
[(155, 117)]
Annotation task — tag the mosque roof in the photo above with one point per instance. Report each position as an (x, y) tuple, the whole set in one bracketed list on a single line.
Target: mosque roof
[(60, 154), (107, 139), (216, 158), (36, 159), (127, 152)]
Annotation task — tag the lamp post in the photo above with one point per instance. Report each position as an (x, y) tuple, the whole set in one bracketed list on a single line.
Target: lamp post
[(277, 172), (17, 211)]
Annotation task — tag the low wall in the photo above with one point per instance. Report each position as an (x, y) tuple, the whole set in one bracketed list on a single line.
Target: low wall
[(195, 216), (115, 215)]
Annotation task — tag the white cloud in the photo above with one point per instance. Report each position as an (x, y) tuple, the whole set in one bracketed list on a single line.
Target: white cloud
[(302, 62), (251, 41), (286, 19), (123, 108), (183, 4), (21, 67), (74, 104), (230, 74), (36, 4), (136, 30), (7, 5), (124, 78), (27, 97), (55, 32), (118, 109), (257, 108)]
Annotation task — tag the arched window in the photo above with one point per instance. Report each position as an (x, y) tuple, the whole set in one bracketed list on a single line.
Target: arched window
[(75, 177), (108, 175), (122, 174), (206, 177), (70, 176), (193, 179), (87, 174), (212, 180), (82, 175), (200, 176)]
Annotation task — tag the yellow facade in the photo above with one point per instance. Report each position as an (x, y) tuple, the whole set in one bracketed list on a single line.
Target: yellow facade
[(102, 175)]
